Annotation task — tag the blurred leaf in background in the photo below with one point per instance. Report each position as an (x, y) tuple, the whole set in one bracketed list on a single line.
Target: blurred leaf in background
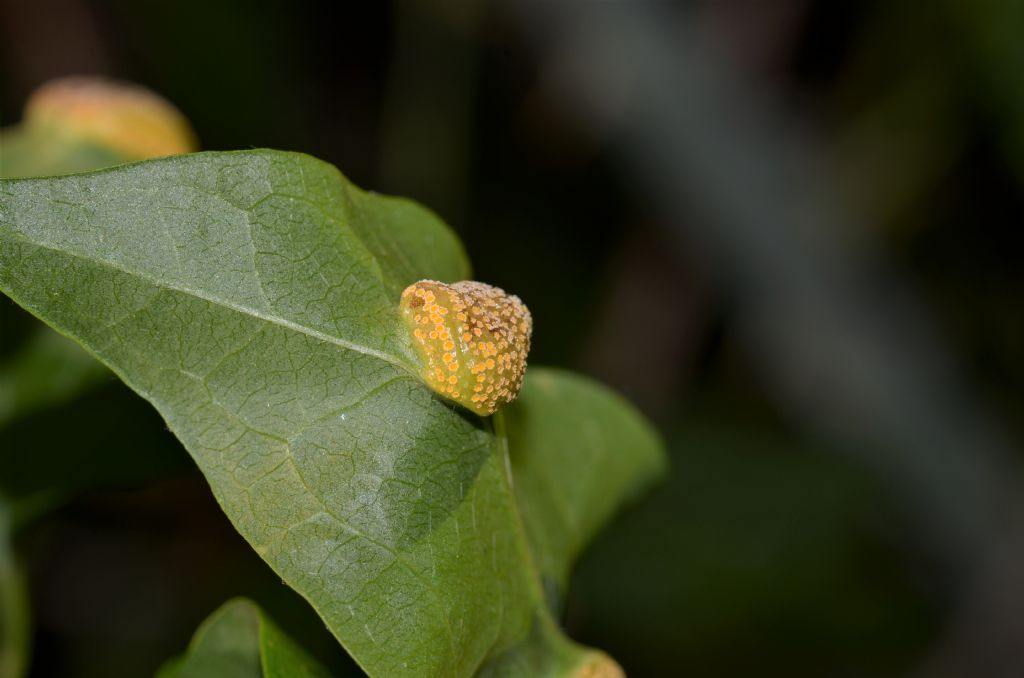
[(77, 124), (70, 125)]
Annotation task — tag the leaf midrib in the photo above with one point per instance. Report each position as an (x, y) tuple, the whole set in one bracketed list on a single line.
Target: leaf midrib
[(499, 441), (282, 322), (224, 303)]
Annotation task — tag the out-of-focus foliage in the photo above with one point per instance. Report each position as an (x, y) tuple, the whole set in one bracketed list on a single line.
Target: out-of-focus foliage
[(765, 553), (72, 125), (77, 124), (14, 616), (69, 125)]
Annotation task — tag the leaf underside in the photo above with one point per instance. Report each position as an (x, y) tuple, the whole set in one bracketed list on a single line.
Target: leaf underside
[(251, 297), (578, 452)]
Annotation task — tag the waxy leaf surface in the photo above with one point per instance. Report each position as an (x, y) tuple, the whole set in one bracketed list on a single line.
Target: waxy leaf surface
[(251, 297)]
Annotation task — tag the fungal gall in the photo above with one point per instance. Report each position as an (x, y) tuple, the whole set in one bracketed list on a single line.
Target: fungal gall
[(133, 120), (472, 339)]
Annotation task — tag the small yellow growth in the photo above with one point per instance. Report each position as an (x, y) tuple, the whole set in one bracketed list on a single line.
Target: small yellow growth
[(131, 119), (598, 665), (478, 333)]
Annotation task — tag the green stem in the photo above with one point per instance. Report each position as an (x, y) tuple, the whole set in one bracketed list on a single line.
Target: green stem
[(14, 612), (546, 651)]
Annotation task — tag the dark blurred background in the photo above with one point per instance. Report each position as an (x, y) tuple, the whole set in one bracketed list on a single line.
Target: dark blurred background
[(789, 231)]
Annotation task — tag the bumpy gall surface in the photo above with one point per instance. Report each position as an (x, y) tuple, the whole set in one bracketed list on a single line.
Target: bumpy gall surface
[(472, 338)]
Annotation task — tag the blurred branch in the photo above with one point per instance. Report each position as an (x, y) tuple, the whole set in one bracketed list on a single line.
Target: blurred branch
[(844, 344)]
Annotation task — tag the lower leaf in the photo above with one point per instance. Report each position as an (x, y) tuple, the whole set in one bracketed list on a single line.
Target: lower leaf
[(240, 641)]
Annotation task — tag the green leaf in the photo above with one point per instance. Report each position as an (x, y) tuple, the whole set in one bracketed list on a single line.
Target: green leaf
[(252, 297), (47, 370), (74, 126), (26, 152), (578, 452), (240, 641), (110, 439)]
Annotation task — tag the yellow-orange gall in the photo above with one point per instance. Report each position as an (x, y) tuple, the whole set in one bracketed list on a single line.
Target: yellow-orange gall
[(479, 336), (130, 119)]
